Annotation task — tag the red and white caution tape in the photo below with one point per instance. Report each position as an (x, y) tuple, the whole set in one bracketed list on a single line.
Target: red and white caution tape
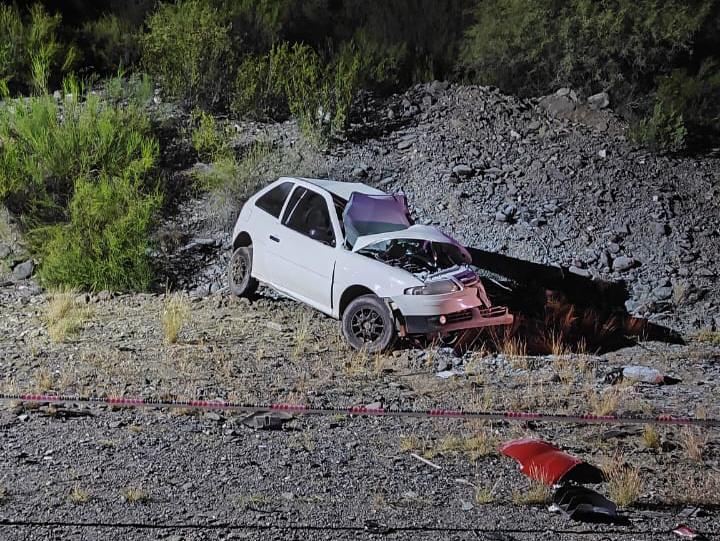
[(300, 409)]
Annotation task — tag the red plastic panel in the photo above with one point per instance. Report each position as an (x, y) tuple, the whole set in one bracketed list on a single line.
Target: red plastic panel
[(540, 460)]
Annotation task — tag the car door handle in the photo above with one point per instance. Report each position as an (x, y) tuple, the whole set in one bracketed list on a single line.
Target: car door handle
[(274, 238)]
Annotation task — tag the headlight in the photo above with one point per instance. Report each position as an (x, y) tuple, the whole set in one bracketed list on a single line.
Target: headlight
[(438, 287)]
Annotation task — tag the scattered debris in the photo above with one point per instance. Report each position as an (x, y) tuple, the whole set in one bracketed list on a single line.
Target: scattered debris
[(425, 461), (270, 420), (686, 532), (546, 463), (638, 373), (446, 374), (585, 505)]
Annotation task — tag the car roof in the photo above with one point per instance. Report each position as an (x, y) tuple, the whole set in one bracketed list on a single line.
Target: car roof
[(336, 187)]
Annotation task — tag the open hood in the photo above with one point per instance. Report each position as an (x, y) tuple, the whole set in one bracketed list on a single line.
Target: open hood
[(413, 232), (369, 214)]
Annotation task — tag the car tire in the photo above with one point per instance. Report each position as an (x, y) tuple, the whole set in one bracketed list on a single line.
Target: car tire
[(240, 280), (368, 325)]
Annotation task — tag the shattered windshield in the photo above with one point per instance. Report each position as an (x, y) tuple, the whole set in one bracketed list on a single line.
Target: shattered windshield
[(415, 255), (371, 214)]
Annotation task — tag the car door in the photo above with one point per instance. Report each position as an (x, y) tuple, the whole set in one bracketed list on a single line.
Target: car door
[(305, 247), (264, 226)]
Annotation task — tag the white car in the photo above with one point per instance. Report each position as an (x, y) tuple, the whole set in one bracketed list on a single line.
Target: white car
[(352, 252)]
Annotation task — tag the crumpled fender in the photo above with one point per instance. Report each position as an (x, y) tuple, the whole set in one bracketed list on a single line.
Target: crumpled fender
[(546, 463)]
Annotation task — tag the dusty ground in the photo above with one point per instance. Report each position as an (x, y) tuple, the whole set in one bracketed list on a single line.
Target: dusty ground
[(208, 476)]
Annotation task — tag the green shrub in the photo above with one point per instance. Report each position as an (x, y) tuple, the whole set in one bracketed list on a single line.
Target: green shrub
[(44, 151), (31, 54), (295, 79), (82, 179), (135, 90), (104, 244), (209, 141), (111, 43), (664, 131), (186, 48), (530, 47)]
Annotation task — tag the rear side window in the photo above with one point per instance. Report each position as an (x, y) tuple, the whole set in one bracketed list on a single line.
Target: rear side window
[(272, 202)]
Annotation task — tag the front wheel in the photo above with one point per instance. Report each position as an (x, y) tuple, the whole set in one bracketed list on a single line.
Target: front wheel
[(240, 280), (367, 324)]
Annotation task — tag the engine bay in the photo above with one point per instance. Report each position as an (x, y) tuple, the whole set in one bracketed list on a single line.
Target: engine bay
[(422, 258)]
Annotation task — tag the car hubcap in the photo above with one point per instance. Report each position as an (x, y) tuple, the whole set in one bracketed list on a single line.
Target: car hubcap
[(239, 269), (367, 325)]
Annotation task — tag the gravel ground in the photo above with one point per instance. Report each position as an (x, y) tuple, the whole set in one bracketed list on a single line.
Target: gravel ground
[(208, 476)]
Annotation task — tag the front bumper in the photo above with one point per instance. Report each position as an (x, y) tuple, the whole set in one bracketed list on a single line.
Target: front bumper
[(469, 318)]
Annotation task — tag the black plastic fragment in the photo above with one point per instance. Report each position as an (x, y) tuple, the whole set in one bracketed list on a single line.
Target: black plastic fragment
[(585, 505)]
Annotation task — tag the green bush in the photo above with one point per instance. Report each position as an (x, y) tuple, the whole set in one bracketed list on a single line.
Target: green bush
[(104, 244), (111, 43), (295, 79), (186, 48), (664, 131), (82, 179), (208, 139), (45, 149), (531, 47), (31, 54)]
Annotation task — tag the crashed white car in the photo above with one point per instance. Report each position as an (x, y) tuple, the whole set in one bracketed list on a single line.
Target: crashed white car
[(352, 252)]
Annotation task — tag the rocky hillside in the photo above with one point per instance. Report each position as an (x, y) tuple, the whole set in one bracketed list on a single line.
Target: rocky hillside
[(550, 180)]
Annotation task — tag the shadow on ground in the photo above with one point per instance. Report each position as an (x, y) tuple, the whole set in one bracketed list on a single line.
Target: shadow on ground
[(558, 311)]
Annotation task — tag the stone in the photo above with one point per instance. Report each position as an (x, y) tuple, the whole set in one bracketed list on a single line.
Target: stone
[(24, 270), (662, 293), (580, 272), (557, 105), (500, 217), (463, 170), (359, 172), (623, 263), (601, 100), (406, 144)]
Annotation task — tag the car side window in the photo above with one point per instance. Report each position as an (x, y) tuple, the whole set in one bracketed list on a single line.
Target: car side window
[(272, 202), (307, 213)]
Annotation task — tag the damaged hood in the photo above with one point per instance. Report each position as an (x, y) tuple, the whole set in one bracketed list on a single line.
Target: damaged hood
[(414, 232)]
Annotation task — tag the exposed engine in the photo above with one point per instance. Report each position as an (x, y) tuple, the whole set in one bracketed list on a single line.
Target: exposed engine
[(419, 257)]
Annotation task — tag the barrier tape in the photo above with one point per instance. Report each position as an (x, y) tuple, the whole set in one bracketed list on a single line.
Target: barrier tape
[(300, 409)]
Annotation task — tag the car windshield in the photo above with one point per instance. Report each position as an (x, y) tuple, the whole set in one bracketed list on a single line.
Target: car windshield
[(371, 214)]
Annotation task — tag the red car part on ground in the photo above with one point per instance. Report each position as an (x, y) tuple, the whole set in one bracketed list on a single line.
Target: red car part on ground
[(546, 463)]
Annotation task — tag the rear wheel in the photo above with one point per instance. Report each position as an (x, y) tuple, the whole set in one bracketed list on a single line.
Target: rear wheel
[(240, 280), (367, 324)]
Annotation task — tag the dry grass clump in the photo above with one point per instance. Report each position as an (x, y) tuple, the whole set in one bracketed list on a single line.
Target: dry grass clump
[(476, 446), (515, 350), (79, 495), (708, 337), (176, 313), (537, 493), (603, 403), (44, 380), (651, 437), (302, 335), (64, 314), (693, 442), (624, 482), (483, 496), (411, 443), (135, 495)]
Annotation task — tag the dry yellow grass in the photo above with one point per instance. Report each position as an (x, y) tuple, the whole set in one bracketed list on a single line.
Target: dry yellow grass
[(135, 495), (651, 437), (78, 495), (410, 443), (44, 380), (624, 484), (64, 315), (176, 313), (483, 496), (537, 493), (693, 442), (708, 337), (698, 488), (603, 403)]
